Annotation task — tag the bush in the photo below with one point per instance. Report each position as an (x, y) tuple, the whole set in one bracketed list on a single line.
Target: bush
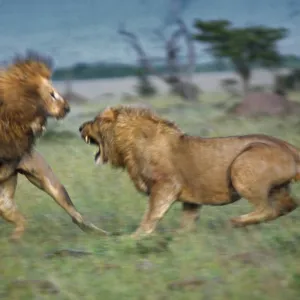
[(145, 88), (288, 82), (230, 86), (186, 90)]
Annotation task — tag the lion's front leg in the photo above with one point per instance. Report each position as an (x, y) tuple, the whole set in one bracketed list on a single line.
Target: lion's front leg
[(38, 172), (162, 196), (8, 208)]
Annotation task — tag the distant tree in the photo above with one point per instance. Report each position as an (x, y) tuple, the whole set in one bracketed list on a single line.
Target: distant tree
[(244, 47), (177, 73), (144, 87)]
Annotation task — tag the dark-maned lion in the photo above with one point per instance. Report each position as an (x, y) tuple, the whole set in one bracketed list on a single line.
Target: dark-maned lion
[(27, 99), (169, 165)]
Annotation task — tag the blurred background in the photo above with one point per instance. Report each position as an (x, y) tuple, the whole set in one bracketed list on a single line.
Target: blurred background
[(216, 68)]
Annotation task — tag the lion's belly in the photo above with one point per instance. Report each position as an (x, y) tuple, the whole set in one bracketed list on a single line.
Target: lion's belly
[(203, 191)]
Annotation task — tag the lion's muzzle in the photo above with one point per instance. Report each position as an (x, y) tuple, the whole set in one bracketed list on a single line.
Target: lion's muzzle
[(64, 111), (84, 130), (67, 109)]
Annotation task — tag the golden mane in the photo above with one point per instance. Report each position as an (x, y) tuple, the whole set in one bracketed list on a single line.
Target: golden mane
[(145, 113), (21, 79), (122, 127), (19, 102)]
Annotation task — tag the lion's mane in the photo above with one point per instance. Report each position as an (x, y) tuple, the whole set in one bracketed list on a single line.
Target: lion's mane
[(19, 103)]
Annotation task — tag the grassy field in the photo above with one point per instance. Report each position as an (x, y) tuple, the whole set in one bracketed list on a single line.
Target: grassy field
[(216, 262)]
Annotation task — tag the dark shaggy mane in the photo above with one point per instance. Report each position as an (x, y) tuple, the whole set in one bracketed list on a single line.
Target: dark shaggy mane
[(32, 56), (19, 99)]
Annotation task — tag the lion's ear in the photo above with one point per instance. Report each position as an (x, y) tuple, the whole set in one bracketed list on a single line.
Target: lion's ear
[(109, 114)]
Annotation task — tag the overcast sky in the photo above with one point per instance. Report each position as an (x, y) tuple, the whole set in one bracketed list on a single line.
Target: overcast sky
[(86, 30)]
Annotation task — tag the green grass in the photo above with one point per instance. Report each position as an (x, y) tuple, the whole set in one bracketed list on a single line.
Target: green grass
[(259, 263)]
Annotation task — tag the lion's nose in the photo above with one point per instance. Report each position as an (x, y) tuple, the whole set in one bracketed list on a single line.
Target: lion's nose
[(80, 128), (67, 109)]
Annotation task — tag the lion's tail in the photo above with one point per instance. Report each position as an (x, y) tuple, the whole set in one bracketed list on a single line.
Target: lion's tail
[(297, 177), (296, 153)]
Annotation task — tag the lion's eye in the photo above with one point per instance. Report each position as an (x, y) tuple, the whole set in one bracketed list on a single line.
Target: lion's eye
[(52, 94)]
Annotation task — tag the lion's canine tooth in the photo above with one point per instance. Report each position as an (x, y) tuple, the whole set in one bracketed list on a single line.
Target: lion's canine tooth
[(87, 139)]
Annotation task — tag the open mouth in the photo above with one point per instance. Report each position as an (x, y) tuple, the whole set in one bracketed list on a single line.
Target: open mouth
[(91, 141), (60, 117)]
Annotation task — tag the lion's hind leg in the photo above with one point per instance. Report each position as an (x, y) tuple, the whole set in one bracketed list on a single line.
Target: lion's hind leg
[(283, 201), (255, 175), (8, 208), (190, 215)]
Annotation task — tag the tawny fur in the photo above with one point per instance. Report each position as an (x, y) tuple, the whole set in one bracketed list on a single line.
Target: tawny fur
[(27, 99), (170, 166), (38, 126), (21, 104)]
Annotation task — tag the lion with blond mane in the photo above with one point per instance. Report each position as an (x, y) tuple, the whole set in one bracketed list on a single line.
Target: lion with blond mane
[(169, 165), (27, 99)]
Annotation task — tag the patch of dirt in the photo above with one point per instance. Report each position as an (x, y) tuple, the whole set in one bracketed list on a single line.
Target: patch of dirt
[(265, 103)]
